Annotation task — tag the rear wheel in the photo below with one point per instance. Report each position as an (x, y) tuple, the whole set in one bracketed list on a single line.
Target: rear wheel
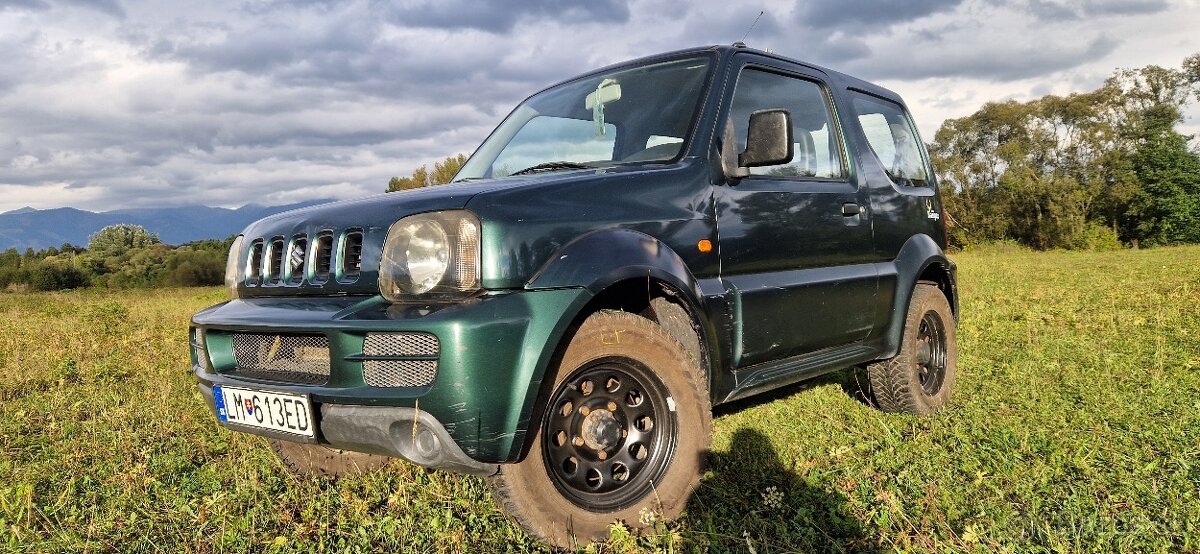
[(314, 460), (626, 429), (920, 379)]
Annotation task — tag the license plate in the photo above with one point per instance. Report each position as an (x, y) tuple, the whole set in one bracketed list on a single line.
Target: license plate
[(277, 411)]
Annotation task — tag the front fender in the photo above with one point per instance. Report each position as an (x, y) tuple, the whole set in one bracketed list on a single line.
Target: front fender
[(601, 258)]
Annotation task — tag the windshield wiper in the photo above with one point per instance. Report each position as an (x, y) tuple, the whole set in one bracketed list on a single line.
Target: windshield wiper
[(552, 166)]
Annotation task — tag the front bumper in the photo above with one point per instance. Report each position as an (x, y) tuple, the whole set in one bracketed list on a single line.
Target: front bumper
[(494, 353), (407, 433)]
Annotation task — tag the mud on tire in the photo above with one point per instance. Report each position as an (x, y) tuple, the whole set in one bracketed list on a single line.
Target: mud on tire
[(920, 378), (627, 430)]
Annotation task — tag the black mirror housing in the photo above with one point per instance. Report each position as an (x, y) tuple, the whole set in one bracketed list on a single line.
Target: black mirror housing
[(768, 140)]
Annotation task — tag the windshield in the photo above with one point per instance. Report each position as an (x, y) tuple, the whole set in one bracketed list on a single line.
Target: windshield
[(633, 115)]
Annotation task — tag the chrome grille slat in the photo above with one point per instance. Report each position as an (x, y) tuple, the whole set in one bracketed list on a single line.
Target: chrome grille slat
[(400, 373), (323, 257), (352, 254), (273, 262), (328, 256), (254, 263), (293, 358)]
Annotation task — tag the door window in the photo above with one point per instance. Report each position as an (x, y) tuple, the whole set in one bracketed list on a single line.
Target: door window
[(816, 148), (890, 133)]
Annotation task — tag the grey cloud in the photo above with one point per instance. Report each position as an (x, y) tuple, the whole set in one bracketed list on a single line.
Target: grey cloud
[(996, 62), (500, 16), (839, 49), (839, 14), (314, 99), (23, 4), (110, 7), (1059, 10)]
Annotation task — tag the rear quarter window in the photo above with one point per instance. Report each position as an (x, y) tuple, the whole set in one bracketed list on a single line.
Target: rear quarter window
[(893, 139)]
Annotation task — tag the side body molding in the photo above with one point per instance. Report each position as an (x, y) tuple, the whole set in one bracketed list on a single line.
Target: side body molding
[(898, 278)]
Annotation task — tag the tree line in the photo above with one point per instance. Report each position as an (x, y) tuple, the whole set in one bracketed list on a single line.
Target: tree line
[(117, 256), (1091, 170)]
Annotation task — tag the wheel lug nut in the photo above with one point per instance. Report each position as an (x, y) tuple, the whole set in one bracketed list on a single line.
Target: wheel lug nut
[(624, 433), (578, 441), (612, 406), (602, 455), (585, 410)]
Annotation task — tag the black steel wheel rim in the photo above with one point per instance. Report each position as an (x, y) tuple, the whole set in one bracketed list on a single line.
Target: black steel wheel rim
[(931, 353), (609, 434)]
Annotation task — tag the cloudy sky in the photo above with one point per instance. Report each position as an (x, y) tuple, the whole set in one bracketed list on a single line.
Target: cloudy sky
[(109, 104)]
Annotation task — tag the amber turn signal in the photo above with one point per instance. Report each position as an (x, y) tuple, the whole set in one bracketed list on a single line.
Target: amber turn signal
[(705, 246)]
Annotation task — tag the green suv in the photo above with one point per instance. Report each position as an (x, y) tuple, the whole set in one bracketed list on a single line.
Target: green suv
[(626, 250)]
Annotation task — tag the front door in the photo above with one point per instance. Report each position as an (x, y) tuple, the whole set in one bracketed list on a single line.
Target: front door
[(795, 238)]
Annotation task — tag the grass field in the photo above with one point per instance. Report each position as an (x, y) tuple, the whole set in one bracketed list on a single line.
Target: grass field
[(1074, 428)]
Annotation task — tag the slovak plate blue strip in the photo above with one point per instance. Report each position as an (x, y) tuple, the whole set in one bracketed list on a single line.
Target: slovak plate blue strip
[(219, 397)]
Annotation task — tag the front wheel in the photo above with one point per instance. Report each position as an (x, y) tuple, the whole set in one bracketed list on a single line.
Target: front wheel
[(626, 430), (920, 378)]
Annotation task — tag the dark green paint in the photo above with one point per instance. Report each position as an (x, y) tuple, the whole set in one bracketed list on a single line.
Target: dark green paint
[(792, 288)]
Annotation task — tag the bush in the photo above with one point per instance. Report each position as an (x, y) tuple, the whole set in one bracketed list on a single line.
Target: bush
[(1096, 237), (49, 276)]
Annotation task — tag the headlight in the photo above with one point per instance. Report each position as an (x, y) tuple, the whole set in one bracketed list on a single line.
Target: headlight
[(231, 268), (429, 255)]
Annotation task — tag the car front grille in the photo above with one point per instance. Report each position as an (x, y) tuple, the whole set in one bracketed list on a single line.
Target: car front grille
[(292, 358), (400, 359), (323, 258)]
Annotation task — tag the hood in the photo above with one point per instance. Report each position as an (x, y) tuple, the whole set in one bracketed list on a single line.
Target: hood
[(345, 237)]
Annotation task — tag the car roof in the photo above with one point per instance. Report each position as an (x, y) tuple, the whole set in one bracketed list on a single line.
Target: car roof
[(724, 51)]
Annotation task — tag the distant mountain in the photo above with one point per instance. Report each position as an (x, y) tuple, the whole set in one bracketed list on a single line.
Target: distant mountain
[(30, 228)]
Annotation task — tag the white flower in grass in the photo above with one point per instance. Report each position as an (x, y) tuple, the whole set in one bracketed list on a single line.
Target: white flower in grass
[(647, 517), (772, 498)]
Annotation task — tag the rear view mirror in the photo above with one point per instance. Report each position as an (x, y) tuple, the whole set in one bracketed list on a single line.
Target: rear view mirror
[(607, 92)]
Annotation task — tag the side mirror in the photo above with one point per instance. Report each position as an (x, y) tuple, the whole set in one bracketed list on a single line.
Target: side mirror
[(768, 142), (769, 139)]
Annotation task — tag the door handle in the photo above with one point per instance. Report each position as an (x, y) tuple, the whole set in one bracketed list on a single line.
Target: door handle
[(850, 209)]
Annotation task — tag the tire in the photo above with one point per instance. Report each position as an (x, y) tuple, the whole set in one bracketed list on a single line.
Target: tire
[(920, 378), (676, 322), (632, 440), (314, 460)]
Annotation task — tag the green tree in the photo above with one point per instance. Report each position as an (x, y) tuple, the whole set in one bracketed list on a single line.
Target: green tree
[(188, 266), (119, 238), (1166, 209), (443, 172), (10, 258), (49, 275), (1073, 171)]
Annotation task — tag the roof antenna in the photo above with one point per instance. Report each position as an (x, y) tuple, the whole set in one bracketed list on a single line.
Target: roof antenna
[(742, 43)]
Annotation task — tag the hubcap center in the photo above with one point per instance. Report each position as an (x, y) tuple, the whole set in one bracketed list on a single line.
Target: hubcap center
[(924, 352), (600, 430)]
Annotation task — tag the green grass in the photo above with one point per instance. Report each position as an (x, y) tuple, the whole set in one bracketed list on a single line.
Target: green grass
[(1074, 429)]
